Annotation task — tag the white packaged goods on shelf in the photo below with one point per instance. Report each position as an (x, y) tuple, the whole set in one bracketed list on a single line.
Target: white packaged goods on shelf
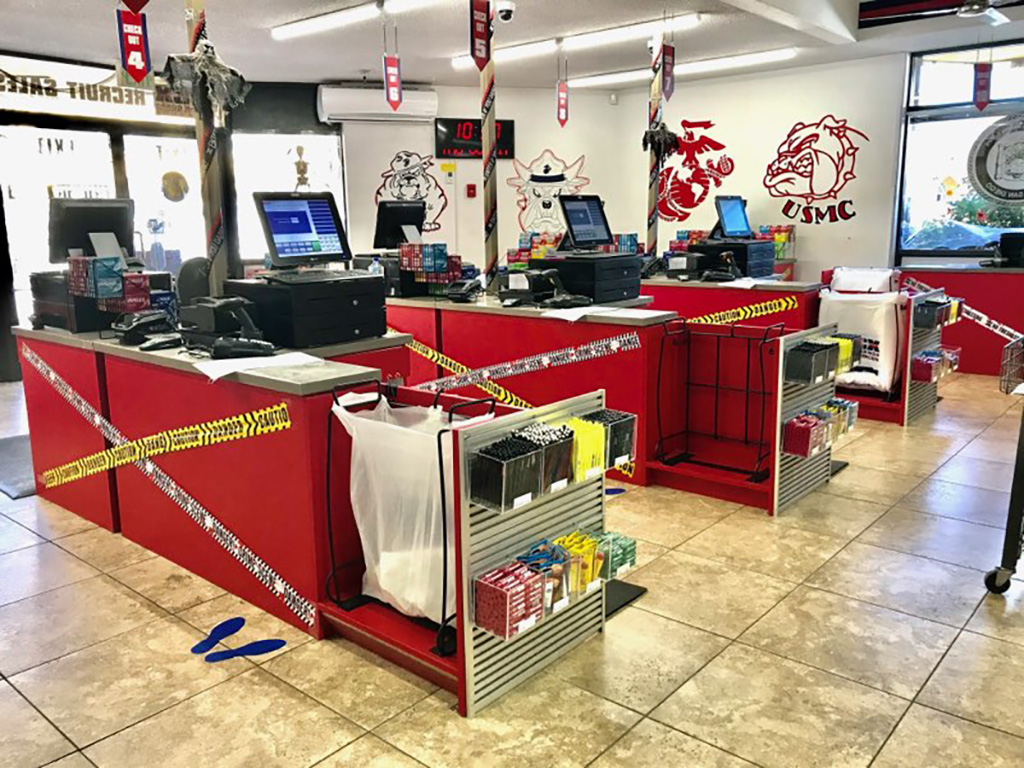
[(864, 279), (879, 319), (396, 502)]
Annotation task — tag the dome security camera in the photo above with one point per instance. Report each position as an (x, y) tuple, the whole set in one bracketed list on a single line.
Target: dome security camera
[(505, 10)]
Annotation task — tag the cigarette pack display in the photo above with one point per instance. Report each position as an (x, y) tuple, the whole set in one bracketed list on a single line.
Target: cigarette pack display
[(165, 300), (812, 362), (927, 366), (552, 562), (506, 474), (556, 443), (135, 298), (508, 600), (805, 435), (588, 453), (95, 276), (618, 554), (620, 437)]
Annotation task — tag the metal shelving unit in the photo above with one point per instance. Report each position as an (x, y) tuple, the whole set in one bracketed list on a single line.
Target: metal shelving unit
[(921, 396)]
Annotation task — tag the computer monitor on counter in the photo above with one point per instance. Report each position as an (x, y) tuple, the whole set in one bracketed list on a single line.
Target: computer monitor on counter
[(73, 220), (302, 228)]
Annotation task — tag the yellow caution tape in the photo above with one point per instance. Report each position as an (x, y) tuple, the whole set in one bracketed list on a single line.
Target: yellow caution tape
[(243, 426), (750, 312)]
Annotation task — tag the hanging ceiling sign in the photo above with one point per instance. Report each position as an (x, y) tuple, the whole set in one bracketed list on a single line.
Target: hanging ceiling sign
[(72, 90), (563, 102), (136, 6), (133, 37), (668, 71), (480, 32), (982, 85), (996, 163), (393, 81)]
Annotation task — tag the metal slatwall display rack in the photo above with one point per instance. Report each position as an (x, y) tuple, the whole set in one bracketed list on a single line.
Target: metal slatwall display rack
[(922, 396), (795, 476), (489, 539)]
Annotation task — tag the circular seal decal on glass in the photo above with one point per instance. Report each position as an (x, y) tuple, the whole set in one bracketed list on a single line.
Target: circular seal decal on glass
[(996, 164)]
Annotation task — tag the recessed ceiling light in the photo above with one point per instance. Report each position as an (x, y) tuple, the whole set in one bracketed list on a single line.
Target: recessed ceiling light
[(642, 31), (326, 22), (734, 62), (402, 6), (614, 78), (512, 53)]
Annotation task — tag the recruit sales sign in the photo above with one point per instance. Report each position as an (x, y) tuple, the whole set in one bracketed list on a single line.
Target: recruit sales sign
[(134, 39)]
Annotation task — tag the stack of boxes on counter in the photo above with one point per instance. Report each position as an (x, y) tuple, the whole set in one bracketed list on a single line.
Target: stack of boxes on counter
[(116, 290), (431, 265), (784, 237)]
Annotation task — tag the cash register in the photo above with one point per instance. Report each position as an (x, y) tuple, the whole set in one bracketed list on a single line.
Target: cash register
[(733, 236), (300, 302)]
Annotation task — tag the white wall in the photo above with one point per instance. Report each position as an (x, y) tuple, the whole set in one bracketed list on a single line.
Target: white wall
[(753, 114)]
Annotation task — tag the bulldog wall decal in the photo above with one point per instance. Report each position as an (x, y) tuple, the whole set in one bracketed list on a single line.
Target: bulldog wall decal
[(540, 184), (409, 178)]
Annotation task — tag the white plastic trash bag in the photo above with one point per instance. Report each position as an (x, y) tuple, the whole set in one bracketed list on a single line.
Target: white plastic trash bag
[(879, 318), (396, 501)]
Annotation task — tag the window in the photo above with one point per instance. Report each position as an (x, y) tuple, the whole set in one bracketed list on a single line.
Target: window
[(941, 211)]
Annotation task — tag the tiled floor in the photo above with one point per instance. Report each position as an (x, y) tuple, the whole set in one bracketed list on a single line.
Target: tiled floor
[(852, 631)]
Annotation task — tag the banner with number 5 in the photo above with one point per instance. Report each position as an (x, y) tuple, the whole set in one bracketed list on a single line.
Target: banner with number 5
[(136, 65)]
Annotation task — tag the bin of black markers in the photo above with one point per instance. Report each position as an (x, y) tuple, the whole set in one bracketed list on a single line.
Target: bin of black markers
[(506, 474)]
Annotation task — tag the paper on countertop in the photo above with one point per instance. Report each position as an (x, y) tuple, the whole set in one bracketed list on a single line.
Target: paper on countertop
[(217, 369), (743, 282), (627, 313), (576, 313)]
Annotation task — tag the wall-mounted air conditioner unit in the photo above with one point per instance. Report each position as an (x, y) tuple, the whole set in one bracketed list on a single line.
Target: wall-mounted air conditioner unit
[(337, 104)]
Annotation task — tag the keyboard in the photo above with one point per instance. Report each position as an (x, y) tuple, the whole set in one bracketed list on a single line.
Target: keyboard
[(314, 276)]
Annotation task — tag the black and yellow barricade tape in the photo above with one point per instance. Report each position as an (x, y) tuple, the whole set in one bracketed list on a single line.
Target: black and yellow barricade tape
[(240, 427), (751, 312)]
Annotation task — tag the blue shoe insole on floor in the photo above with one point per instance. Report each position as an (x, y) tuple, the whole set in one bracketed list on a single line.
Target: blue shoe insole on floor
[(614, 491), (218, 633), (256, 648)]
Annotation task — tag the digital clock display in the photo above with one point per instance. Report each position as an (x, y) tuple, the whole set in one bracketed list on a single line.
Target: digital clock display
[(462, 138)]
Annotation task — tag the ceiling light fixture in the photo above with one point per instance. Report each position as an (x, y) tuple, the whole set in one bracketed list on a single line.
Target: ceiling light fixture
[(395, 7), (326, 22), (644, 31), (735, 62), (512, 53), (614, 78)]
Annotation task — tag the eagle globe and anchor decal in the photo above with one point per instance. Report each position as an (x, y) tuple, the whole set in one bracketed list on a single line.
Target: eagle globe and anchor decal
[(996, 162)]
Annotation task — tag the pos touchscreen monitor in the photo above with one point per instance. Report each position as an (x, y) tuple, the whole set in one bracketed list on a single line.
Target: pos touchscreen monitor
[(732, 217), (302, 228), (584, 217)]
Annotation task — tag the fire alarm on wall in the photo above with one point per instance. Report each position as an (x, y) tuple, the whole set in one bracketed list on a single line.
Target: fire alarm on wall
[(471, 190)]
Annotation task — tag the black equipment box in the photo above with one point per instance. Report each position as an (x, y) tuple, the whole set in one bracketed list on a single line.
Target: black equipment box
[(315, 314), (754, 258), (52, 305), (397, 282), (602, 278)]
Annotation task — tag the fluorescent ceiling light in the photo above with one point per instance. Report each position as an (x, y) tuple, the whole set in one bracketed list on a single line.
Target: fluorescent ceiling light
[(401, 6), (326, 22), (615, 78), (734, 62), (513, 53), (643, 31)]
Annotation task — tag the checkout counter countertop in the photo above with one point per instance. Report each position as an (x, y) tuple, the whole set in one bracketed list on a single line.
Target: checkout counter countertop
[(492, 305), (766, 285), (300, 380)]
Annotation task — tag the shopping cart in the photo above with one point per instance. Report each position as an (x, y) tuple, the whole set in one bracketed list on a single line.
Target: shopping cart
[(1011, 376)]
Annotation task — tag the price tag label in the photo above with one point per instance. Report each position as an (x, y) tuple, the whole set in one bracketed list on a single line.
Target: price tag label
[(623, 569), (594, 472), (593, 586), (560, 605), (526, 624), (522, 501), (559, 485), (621, 460)]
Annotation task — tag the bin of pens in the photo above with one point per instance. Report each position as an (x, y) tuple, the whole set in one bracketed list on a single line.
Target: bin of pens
[(552, 563), (620, 435), (508, 600), (506, 474), (556, 442), (857, 342), (950, 357), (812, 362), (585, 562), (932, 313), (588, 449)]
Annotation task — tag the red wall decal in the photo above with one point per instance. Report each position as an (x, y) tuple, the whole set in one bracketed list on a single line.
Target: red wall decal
[(409, 178), (685, 187)]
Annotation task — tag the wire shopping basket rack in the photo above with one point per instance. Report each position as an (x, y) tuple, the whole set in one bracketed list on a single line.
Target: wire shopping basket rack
[(1011, 376)]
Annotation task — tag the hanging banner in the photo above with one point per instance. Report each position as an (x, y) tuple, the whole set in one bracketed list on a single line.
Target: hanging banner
[(982, 84), (563, 102), (393, 81), (480, 32), (135, 6), (668, 71), (134, 39)]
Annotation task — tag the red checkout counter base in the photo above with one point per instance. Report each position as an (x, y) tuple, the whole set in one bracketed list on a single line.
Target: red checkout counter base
[(691, 300)]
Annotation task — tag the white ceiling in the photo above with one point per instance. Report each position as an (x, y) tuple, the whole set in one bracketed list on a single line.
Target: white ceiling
[(84, 30)]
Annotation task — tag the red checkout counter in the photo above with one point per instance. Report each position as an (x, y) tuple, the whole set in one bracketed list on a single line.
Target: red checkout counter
[(994, 292), (695, 299)]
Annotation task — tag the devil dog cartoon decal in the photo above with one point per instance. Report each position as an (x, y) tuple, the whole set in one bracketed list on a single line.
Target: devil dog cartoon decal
[(540, 184), (683, 188), (409, 178)]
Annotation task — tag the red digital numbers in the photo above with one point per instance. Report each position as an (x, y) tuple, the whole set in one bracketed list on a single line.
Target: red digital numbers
[(465, 131)]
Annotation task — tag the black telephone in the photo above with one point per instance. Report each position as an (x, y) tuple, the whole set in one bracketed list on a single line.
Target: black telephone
[(726, 272), (133, 328), (464, 291)]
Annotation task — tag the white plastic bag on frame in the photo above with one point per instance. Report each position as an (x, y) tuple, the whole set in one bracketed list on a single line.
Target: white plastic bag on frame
[(879, 319)]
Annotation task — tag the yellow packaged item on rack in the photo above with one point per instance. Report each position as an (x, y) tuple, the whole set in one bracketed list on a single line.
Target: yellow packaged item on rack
[(588, 449), (584, 560), (845, 352)]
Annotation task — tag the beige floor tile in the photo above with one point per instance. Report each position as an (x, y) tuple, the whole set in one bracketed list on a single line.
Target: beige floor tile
[(543, 722), (980, 680), (369, 752), (28, 572), (62, 621), (765, 546), (679, 586), (1001, 616), (639, 659), (94, 692), (104, 550), (647, 553), (14, 536), (46, 518), (929, 738), (976, 505), (777, 712), (363, 687), (166, 584), (653, 745), (76, 760), (831, 515), (951, 423), (1004, 451), (1004, 428), (920, 467), (940, 538), (251, 720), (978, 473), (664, 516), (872, 485), (26, 739), (907, 583), (974, 403), (259, 624), (862, 642)]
